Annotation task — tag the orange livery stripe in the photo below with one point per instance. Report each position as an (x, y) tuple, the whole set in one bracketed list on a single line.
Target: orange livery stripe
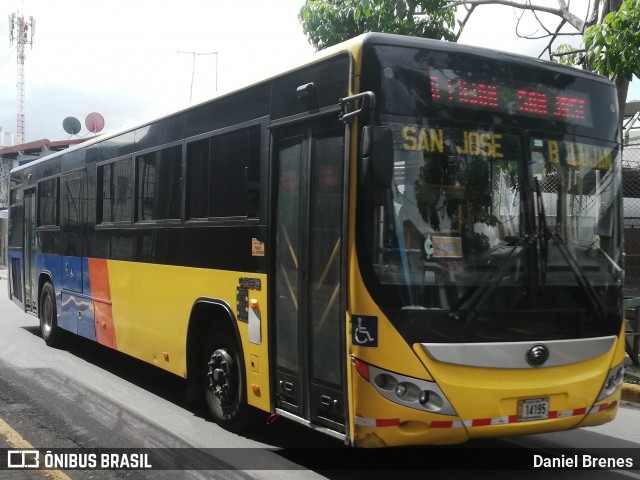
[(101, 294)]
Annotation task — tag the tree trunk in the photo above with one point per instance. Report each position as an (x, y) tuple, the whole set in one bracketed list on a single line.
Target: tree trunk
[(611, 6), (621, 84), (623, 87)]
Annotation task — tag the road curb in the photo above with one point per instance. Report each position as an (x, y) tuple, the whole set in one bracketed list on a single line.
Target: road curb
[(631, 393)]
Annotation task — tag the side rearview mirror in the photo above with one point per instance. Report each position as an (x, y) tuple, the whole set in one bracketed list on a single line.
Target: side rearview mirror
[(377, 156)]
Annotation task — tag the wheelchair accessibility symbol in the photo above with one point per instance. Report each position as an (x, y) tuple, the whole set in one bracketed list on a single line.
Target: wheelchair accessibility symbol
[(365, 331)]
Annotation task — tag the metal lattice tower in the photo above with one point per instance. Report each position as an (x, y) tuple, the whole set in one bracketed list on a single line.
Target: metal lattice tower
[(21, 32)]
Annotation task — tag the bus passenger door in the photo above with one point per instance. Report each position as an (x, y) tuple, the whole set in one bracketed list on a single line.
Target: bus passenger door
[(308, 268), (74, 303), (30, 281)]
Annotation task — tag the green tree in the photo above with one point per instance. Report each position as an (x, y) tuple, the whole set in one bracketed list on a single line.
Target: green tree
[(613, 46), (328, 22)]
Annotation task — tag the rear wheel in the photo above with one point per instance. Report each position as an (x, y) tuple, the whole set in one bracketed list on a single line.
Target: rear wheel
[(49, 316), (225, 382)]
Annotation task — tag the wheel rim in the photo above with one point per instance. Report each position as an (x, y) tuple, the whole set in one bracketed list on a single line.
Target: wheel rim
[(222, 375), (47, 313)]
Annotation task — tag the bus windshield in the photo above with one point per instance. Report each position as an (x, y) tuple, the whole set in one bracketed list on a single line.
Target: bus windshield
[(456, 230), (502, 234)]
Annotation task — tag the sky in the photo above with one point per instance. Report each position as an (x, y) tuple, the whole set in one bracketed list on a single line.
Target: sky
[(120, 58)]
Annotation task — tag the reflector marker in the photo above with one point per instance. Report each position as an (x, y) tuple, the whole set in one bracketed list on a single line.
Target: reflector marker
[(377, 422), (447, 424), (599, 408)]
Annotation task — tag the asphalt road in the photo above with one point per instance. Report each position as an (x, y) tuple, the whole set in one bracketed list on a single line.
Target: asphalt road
[(86, 396)]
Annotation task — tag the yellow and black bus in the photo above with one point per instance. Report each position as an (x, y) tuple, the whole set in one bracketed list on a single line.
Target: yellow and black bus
[(403, 241)]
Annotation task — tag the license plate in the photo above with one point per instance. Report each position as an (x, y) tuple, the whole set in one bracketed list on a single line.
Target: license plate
[(533, 409)]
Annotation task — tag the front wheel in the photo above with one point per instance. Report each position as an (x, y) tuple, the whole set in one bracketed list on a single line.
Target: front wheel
[(225, 382), (49, 316)]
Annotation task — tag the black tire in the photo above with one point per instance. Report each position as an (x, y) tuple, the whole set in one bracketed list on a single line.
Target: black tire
[(48, 313), (225, 382)]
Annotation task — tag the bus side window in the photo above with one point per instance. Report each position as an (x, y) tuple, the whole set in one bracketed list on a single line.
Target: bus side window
[(48, 192), (197, 179), (158, 192), (235, 173), (223, 175), (115, 198)]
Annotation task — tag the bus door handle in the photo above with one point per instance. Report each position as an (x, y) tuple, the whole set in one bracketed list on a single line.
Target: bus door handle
[(287, 387), (326, 401)]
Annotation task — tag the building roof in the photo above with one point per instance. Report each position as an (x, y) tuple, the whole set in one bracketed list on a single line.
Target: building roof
[(631, 108), (37, 147)]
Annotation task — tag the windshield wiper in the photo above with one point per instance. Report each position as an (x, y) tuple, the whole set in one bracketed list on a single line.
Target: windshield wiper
[(485, 291), (598, 250), (582, 279), (545, 234)]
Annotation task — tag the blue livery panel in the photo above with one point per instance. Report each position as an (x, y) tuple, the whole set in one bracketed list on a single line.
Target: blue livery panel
[(71, 281)]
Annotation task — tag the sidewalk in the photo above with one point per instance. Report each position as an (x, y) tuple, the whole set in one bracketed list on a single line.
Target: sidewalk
[(3, 274), (631, 391)]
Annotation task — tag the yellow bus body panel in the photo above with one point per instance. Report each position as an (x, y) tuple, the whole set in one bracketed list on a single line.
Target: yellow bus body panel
[(491, 393), (151, 307), (484, 395)]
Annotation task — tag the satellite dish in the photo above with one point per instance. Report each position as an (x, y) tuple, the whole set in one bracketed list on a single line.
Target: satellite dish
[(94, 122), (71, 125)]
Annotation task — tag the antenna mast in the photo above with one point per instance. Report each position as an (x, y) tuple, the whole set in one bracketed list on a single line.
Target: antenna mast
[(21, 32)]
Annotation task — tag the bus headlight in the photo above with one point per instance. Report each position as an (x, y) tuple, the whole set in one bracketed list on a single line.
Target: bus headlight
[(612, 382), (401, 390), (407, 391)]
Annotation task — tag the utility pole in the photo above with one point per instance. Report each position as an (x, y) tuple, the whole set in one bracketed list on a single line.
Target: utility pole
[(21, 31)]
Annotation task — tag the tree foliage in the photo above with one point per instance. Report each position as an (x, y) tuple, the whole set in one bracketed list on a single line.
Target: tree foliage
[(328, 22), (610, 34), (613, 46)]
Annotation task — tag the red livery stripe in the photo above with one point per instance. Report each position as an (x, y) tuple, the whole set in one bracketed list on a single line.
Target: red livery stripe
[(442, 424), (387, 422), (478, 422)]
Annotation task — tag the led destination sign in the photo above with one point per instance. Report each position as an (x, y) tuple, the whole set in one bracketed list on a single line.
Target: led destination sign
[(533, 100)]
